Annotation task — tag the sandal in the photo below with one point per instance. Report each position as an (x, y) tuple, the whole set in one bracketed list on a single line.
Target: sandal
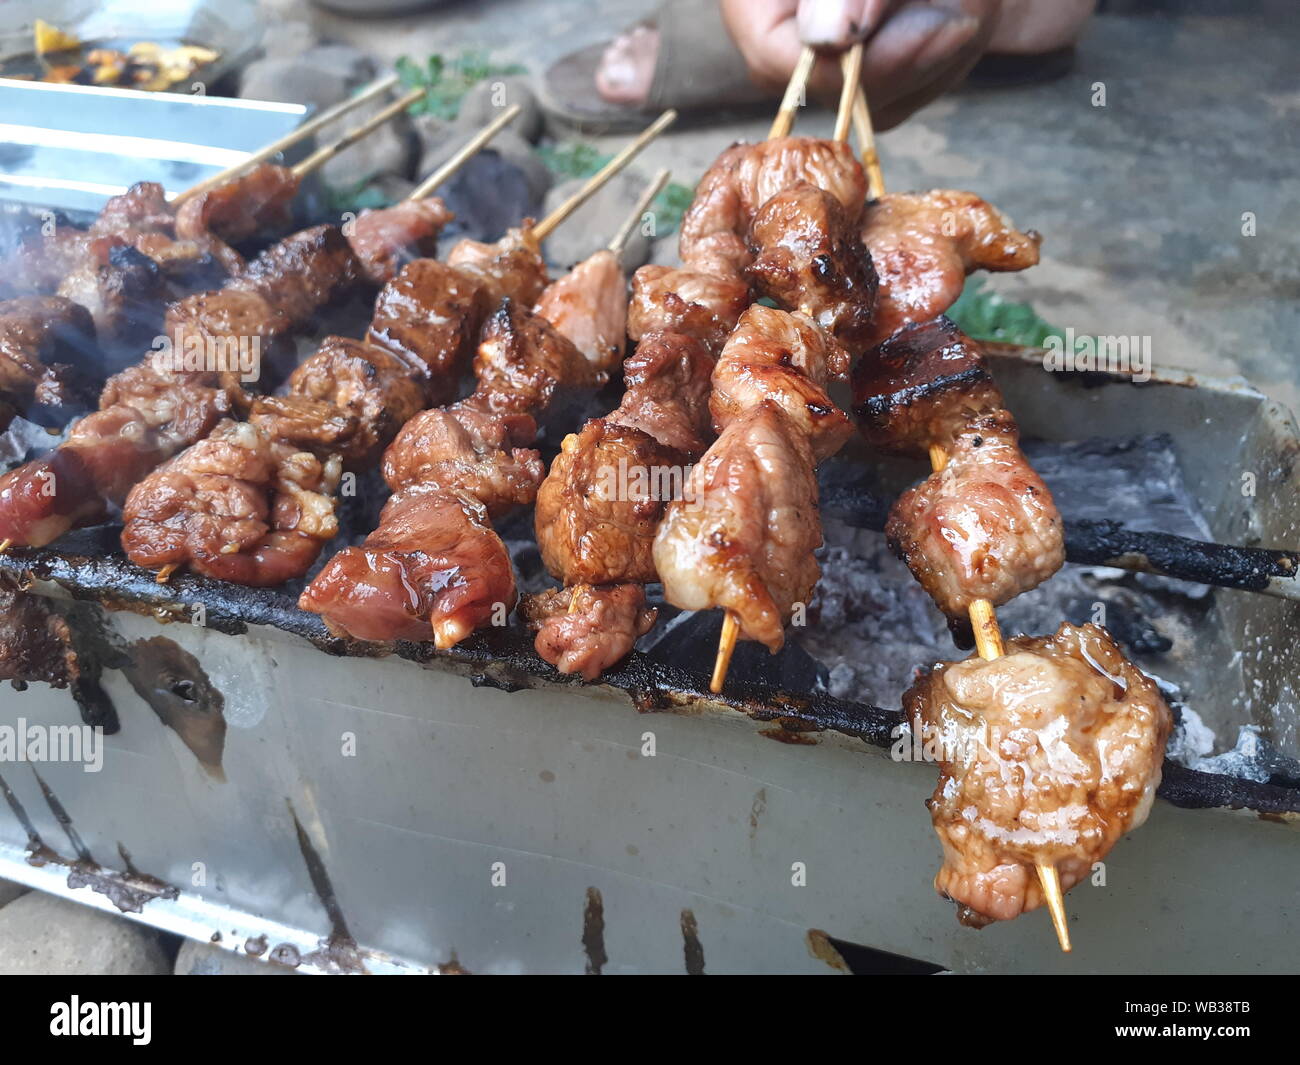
[(698, 68)]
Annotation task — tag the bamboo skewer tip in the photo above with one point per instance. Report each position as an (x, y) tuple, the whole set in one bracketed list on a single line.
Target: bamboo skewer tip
[(164, 574), (726, 648), (795, 93), (647, 197), (851, 68), (5, 545), (323, 155), (300, 133), (547, 225), (1051, 883)]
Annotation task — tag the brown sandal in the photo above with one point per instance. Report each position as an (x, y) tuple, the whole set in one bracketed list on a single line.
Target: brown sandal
[(698, 69)]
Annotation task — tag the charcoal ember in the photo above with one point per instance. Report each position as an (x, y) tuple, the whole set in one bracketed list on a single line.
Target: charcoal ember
[(689, 641), (488, 196)]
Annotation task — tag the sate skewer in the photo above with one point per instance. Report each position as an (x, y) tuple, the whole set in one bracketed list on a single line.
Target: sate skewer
[(317, 122), (150, 412), (435, 565), (37, 333), (795, 91), (983, 618)]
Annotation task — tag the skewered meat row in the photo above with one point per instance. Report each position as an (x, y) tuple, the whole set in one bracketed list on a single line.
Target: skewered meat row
[(984, 526), (600, 506), (254, 504), (44, 342), (435, 564), (801, 247), (149, 412), (142, 219), (1047, 755)]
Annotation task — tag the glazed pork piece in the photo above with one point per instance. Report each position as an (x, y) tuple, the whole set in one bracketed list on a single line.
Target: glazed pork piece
[(784, 359), (470, 449), (922, 386), (695, 303), (924, 245), (386, 240), (743, 535), (1048, 754), (745, 177), (983, 527), (522, 360), (46, 344), (238, 506), (589, 306), (435, 564), (586, 630), (349, 399), (809, 257)]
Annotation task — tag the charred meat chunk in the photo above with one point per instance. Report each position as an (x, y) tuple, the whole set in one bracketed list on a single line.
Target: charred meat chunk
[(921, 387)]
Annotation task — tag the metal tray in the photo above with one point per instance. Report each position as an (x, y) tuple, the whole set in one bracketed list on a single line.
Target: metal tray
[(421, 812)]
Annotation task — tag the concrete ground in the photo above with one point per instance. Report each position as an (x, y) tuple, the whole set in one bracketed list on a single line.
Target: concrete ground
[(1141, 202)]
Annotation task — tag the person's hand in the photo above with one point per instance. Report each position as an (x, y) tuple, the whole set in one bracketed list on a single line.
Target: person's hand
[(917, 50)]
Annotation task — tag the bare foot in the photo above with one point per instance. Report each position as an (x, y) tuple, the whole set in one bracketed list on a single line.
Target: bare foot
[(628, 66)]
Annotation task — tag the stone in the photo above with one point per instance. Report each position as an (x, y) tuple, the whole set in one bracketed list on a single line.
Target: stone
[(207, 959), (594, 224), (10, 891), (386, 150), (285, 40), (292, 81), (516, 151), (486, 100), (41, 935)]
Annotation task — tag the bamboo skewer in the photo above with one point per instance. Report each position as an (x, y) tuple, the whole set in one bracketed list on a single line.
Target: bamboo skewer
[(867, 145), (795, 94), (638, 211), (544, 228), (463, 155), (5, 545), (375, 88), (323, 155), (165, 573), (616, 246), (851, 67)]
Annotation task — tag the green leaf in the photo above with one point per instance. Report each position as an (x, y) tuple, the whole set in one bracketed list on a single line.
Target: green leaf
[(988, 316)]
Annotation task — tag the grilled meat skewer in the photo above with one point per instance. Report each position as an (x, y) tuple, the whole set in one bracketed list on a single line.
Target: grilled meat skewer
[(984, 527), (599, 535), (1047, 756), (149, 412), (257, 506)]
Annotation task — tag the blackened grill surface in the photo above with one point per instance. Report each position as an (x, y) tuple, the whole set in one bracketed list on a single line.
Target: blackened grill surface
[(505, 659)]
